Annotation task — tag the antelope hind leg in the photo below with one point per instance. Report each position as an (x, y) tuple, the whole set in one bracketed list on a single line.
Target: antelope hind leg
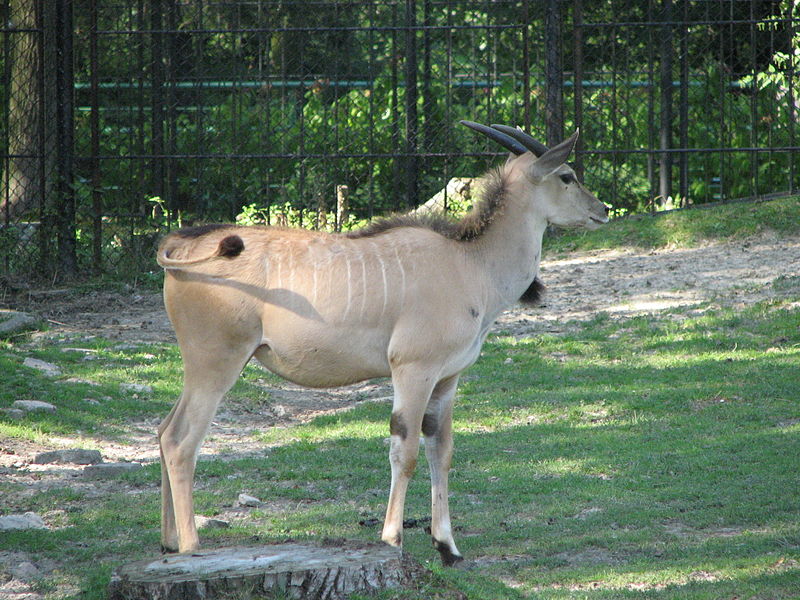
[(169, 533), (208, 374), (438, 432)]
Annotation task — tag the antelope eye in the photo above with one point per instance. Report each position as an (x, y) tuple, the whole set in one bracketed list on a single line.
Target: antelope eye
[(567, 178)]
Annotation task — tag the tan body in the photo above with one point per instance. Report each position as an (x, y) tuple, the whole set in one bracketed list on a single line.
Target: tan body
[(324, 310)]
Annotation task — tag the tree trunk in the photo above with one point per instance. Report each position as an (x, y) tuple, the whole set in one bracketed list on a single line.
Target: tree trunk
[(332, 571), (23, 175)]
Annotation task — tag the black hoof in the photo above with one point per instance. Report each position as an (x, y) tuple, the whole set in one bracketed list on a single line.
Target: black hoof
[(449, 558)]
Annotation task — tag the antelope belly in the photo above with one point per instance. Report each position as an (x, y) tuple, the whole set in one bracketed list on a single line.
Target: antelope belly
[(314, 364)]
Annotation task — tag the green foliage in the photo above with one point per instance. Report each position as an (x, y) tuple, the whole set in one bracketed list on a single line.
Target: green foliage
[(287, 215)]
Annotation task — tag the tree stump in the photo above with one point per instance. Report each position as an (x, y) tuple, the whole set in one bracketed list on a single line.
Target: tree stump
[(331, 571)]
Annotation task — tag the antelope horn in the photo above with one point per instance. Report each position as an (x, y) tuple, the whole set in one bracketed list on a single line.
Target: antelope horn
[(501, 138), (535, 146)]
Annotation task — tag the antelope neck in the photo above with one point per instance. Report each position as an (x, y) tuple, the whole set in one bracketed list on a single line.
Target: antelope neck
[(510, 248)]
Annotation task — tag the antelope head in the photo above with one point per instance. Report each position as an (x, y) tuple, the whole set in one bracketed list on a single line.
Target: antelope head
[(560, 198)]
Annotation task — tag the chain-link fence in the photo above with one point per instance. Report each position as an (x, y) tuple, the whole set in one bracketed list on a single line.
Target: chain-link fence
[(121, 120)]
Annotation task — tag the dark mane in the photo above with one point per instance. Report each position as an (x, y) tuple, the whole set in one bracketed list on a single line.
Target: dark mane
[(438, 223), (472, 226)]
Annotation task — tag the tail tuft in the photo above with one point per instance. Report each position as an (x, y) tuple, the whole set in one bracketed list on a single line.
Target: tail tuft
[(231, 246)]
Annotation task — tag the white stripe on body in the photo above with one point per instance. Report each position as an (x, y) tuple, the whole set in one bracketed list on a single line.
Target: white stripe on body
[(402, 276), (279, 275), (363, 285), (314, 290), (349, 290), (383, 276)]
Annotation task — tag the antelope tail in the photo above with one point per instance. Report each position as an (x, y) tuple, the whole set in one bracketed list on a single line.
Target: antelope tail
[(229, 247)]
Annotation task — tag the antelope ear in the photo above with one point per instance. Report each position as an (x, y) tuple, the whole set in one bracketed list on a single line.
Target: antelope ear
[(554, 158), (511, 156)]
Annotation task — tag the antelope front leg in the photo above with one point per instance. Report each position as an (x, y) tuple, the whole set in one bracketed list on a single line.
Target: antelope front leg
[(438, 431), (412, 389)]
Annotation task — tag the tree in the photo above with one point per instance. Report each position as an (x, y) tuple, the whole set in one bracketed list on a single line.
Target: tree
[(24, 177)]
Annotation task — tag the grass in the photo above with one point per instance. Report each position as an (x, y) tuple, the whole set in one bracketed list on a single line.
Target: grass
[(686, 228), (646, 457)]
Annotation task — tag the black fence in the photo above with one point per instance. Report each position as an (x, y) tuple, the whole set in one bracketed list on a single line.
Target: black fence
[(121, 120)]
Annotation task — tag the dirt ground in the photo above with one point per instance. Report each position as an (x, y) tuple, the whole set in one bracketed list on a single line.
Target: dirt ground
[(621, 283)]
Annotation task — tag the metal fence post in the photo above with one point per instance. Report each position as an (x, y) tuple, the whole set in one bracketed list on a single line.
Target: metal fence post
[(577, 22), (791, 73), (665, 137), (65, 126), (157, 98), (526, 67), (45, 86), (684, 106), (170, 164), (411, 104), (94, 125), (554, 77)]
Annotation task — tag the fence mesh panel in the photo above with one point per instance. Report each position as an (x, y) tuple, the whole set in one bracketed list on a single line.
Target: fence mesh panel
[(121, 120)]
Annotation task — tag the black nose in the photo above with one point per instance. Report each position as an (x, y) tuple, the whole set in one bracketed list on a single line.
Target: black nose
[(607, 208)]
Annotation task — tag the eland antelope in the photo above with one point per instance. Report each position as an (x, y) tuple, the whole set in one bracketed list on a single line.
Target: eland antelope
[(408, 297)]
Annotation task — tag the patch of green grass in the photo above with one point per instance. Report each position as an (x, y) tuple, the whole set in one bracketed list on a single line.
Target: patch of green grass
[(89, 395), (685, 228)]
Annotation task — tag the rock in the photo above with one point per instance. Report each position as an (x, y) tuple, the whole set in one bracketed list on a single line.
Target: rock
[(13, 413), (28, 520), (13, 322), (33, 405), (245, 500), (76, 456), (81, 381), (110, 470), (45, 367), (124, 347), (202, 522), (135, 388), (26, 571)]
